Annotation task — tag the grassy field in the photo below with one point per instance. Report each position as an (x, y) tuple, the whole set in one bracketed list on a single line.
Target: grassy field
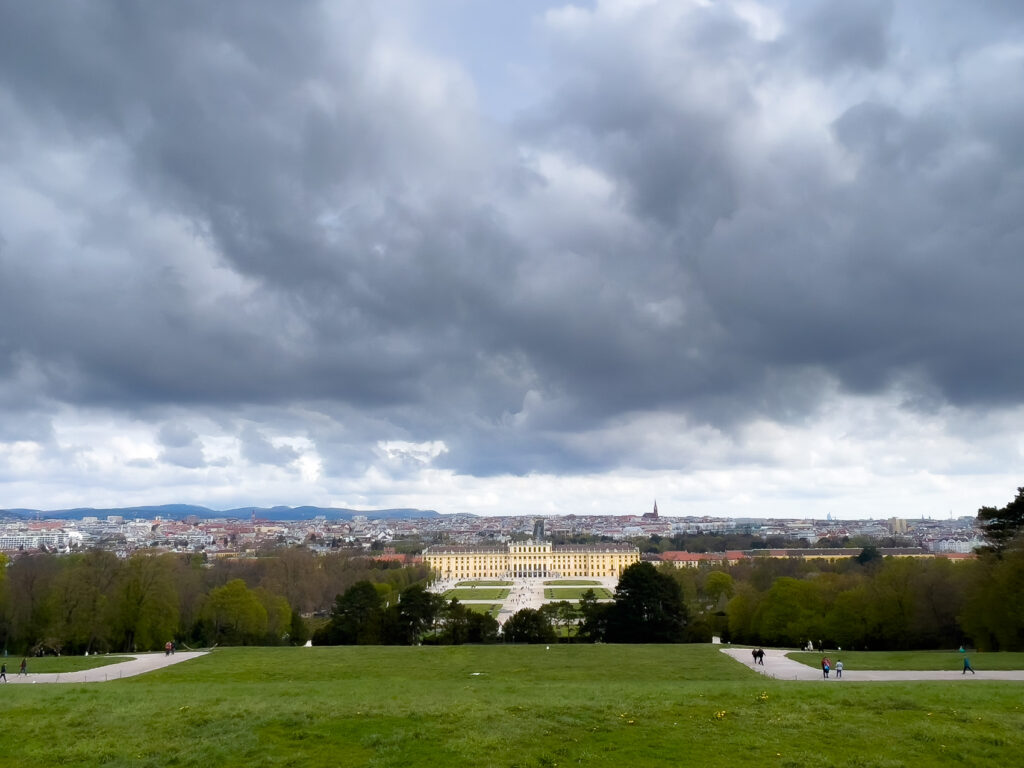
[(506, 707), (53, 664), (484, 584), (575, 593), (492, 608), (477, 593), (923, 660), (572, 583)]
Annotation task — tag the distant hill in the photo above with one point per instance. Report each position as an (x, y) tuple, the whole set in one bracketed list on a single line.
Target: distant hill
[(181, 511)]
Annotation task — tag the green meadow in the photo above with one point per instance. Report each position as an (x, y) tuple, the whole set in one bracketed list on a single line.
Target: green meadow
[(572, 583), (492, 608), (476, 593), (576, 593), (484, 583), (502, 706)]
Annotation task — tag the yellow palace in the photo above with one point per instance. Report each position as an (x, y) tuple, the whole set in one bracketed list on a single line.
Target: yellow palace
[(530, 558)]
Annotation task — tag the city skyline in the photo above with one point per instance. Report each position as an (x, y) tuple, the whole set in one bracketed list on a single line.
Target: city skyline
[(751, 259)]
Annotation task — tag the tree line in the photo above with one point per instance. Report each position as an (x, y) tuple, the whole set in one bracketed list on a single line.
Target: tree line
[(870, 602), (94, 601)]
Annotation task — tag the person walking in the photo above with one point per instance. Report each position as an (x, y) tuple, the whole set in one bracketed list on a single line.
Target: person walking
[(3, 672), (23, 669), (825, 666), (967, 662), (839, 668)]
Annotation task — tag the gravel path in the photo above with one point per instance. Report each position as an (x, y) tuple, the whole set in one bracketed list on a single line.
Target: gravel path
[(131, 666), (776, 665)]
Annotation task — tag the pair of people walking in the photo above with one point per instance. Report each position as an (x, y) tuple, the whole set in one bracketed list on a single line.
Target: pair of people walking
[(22, 670), (826, 667)]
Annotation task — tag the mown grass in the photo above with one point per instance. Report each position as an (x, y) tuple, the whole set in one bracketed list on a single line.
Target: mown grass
[(484, 583), (492, 608), (572, 583), (575, 593), (506, 707), (914, 660), (53, 664), (477, 593)]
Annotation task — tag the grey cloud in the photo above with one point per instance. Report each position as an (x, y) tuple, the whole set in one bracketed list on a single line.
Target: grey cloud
[(836, 34), (182, 446), (247, 213), (257, 449)]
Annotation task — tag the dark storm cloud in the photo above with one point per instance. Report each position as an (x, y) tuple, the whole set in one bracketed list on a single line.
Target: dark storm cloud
[(225, 205)]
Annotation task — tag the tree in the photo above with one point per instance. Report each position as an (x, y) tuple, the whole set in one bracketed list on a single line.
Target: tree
[(145, 605), (648, 607), (356, 619), (235, 614), (868, 555), (482, 628), (718, 586), (594, 624), (993, 610), (528, 626), (416, 612), (790, 613), (1002, 527), (741, 611), (79, 603), (29, 581), (279, 615), (455, 623)]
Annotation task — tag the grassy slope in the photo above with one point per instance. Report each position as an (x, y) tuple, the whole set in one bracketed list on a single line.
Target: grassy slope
[(598, 705)]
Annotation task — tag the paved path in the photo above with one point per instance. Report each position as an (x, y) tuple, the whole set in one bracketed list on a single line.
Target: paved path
[(778, 666), (131, 666)]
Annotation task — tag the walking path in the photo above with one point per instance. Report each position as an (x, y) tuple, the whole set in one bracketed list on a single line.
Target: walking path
[(131, 666), (778, 666)]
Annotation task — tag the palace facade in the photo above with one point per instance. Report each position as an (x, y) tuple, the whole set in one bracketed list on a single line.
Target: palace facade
[(530, 558)]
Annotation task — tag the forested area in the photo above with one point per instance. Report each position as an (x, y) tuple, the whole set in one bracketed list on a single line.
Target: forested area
[(97, 602), (862, 602)]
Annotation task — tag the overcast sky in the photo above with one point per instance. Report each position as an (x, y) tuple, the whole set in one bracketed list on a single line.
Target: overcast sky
[(745, 258)]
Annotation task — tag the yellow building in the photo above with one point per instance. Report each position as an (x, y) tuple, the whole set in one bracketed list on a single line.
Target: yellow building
[(530, 558)]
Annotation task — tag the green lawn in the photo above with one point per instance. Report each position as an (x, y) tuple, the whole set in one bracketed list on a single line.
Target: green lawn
[(572, 583), (484, 584), (502, 707), (53, 664), (575, 593), (477, 593), (492, 608), (918, 660)]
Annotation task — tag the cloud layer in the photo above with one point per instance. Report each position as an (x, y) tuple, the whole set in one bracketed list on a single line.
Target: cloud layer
[(284, 256)]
